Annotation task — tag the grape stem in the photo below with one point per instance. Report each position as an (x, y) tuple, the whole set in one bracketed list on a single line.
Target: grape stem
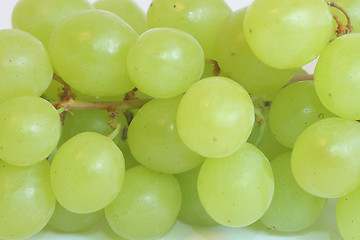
[(260, 119), (217, 70), (116, 132), (341, 30), (67, 93), (301, 77)]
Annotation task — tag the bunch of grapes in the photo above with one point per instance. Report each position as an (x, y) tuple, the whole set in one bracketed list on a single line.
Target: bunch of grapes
[(191, 112)]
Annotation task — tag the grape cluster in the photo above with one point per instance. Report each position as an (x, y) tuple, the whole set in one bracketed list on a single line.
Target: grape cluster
[(190, 112)]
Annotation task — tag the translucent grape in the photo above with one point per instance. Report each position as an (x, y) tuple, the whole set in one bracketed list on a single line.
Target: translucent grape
[(237, 61), (87, 173), (236, 190), (66, 221), (30, 130), (128, 10), (202, 19), (326, 158), (168, 69), (25, 67), (192, 211), (26, 202), (288, 34), (147, 205), (294, 109), (209, 114), (348, 215), (155, 142), (336, 77), (39, 17), (291, 209), (89, 51)]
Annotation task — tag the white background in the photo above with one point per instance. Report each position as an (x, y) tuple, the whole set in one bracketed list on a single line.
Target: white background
[(324, 229)]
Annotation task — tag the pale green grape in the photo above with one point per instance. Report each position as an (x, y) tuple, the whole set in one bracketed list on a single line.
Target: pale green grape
[(352, 7), (215, 117), (155, 142), (39, 17), (348, 215), (89, 50), (192, 211), (291, 209), (288, 34), (128, 10), (30, 130), (25, 67), (236, 190), (237, 61), (26, 202), (168, 69), (326, 158), (147, 205), (54, 91), (294, 109), (336, 75), (66, 221), (87, 173), (202, 19)]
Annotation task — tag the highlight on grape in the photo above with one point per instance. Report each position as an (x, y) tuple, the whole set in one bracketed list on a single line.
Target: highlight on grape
[(187, 112)]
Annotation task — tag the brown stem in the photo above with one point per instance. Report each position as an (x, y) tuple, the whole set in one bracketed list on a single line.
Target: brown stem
[(341, 30), (130, 95), (108, 106), (302, 77), (67, 93), (217, 70)]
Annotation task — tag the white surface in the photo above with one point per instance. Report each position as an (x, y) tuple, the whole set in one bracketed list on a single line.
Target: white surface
[(323, 229)]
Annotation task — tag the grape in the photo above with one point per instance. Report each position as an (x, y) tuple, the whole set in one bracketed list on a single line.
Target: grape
[(236, 190), (26, 202), (294, 109), (292, 209), (237, 61), (192, 211), (215, 117), (202, 19), (128, 10), (87, 173), (154, 141), (168, 69), (54, 91), (287, 34), (336, 75), (30, 130), (89, 51), (348, 215), (66, 221), (25, 67), (147, 205), (326, 158), (39, 17)]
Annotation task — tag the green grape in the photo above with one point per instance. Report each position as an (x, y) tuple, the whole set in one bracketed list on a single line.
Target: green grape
[(336, 75), (236, 190), (202, 19), (26, 202), (288, 34), (168, 69), (147, 205), (39, 17), (215, 117), (352, 7), (293, 110), (128, 10), (326, 158), (54, 91), (25, 67), (155, 142), (87, 173), (291, 209), (89, 51), (66, 221), (192, 211), (348, 215), (237, 61), (30, 130)]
